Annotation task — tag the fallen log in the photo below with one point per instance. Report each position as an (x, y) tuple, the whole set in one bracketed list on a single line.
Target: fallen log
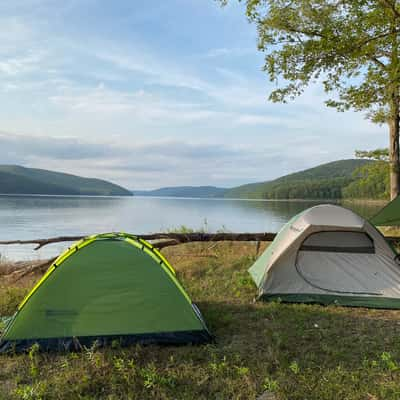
[(168, 239), (172, 238)]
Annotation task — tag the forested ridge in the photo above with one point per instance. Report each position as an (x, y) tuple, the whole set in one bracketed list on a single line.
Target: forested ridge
[(353, 178), (15, 179)]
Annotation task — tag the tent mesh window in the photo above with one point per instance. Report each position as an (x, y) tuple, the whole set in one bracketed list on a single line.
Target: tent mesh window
[(339, 242), (318, 270)]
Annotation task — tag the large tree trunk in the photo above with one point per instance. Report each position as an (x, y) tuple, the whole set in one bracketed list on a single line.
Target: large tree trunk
[(394, 108), (394, 156)]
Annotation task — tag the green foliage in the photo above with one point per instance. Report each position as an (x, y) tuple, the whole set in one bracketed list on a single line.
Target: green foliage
[(377, 155), (35, 391), (294, 367), (323, 182), (371, 182), (19, 180), (270, 385), (34, 370), (309, 189)]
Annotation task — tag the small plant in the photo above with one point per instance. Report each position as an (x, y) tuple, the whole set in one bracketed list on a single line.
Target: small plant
[(218, 367), (64, 364), (33, 364), (92, 355), (294, 367), (270, 384), (31, 392), (181, 229), (125, 369), (152, 379), (388, 362), (241, 371)]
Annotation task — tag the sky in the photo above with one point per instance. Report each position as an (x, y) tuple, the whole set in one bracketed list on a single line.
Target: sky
[(156, 93)]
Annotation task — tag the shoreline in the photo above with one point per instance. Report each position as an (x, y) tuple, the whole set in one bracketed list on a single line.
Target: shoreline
[(339, 200)]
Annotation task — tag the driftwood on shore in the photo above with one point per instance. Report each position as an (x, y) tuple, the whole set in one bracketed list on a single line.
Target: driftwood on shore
[(163, 239), (172, 238), (159, 240)]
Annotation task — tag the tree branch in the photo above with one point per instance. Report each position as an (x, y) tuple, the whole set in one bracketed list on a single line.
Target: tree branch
[(378, 62), (391, 6)]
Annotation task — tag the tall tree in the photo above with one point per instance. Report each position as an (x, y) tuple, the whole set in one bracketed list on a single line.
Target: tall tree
[(352, 47)]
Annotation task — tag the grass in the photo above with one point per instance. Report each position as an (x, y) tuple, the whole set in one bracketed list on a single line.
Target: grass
[(292, 351)]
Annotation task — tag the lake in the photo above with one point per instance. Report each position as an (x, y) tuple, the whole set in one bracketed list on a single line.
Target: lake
[(32, 217)]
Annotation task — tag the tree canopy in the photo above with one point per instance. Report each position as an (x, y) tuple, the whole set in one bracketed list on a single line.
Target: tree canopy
[(351, 47)]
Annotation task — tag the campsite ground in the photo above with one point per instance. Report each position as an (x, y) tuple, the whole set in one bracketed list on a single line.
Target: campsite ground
[(291, 351)]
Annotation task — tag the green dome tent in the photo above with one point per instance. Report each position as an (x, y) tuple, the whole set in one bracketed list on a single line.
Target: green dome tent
[(389, 215), (328, 254), (104, 288)]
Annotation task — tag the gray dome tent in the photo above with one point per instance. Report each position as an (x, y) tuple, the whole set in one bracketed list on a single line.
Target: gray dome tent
[(328, 254)]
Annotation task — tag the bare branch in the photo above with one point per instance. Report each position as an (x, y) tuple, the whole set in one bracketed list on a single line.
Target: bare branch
[(43, 242)]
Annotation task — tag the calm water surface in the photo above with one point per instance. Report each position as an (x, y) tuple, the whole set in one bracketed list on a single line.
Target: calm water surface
[(32, 217)]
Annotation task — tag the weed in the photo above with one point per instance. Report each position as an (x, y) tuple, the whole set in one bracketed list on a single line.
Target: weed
[(34, 362), (270, 384), (294, 367), (31, 392), (152, 379)]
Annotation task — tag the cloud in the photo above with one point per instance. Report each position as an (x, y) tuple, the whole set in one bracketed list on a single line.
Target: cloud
[(138, 105), (24, 148), (254, 119), (151, 164), (225, 52), (17, 65), (150, 66)]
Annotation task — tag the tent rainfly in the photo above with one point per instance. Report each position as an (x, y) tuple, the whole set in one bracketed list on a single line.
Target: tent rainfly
[(328, 254), (105, 288), (389, 215)]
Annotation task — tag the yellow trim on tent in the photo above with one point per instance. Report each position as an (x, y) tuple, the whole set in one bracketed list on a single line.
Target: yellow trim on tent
[(158, 253), (133, 240)]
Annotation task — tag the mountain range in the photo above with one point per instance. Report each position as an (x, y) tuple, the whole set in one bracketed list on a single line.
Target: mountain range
[(326, 181)]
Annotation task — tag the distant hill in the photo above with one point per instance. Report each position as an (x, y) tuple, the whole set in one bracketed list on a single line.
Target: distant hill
[(325, 181), (183, 191), (15, 179)]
